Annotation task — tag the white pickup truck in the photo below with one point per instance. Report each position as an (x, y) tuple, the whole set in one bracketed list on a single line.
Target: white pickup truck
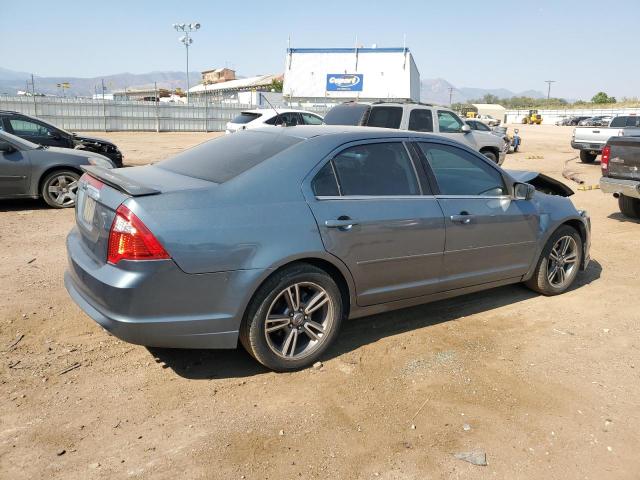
[(591, 140)]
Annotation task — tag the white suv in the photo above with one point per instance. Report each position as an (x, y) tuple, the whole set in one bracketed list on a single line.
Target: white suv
[(419, 117), (268, 117)]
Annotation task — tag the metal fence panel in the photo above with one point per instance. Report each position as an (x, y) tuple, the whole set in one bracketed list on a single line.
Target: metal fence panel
[(78, 114)]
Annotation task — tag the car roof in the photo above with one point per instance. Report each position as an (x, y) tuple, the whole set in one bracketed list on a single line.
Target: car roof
[(279, 110)]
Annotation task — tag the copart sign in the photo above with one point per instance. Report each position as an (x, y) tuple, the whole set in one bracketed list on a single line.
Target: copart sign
[(344, 82)]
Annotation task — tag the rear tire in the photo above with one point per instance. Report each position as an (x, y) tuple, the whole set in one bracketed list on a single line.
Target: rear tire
[(547, 278), (490, 155), (284, 328), (59, 188), (587, 157), (629, 207)]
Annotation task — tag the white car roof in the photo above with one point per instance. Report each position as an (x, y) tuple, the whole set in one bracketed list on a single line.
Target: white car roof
[(279, 110)]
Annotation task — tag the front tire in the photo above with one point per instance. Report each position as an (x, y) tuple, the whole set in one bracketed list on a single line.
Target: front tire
[(293, 318), (629, 207), (490, 155), (587, 157), (59, 188), (558, 264)]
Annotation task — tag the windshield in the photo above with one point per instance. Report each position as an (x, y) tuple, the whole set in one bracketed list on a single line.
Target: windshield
[(20, 142), (225, 157)]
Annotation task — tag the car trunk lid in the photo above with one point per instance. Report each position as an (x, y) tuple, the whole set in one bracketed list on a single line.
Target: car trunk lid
[(102, 191)]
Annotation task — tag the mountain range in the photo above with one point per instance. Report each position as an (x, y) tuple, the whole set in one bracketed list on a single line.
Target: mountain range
[(436, 90), (433, 90)]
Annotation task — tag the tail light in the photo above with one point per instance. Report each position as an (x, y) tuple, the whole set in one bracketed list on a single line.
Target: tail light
[(604, 159), (130, 239)]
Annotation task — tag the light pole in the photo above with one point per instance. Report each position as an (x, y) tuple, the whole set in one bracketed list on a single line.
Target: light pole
[(186, 39), (549, 82)]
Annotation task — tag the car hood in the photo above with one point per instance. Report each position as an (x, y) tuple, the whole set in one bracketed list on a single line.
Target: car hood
[(84, 138), (542, 182), (75, 153)]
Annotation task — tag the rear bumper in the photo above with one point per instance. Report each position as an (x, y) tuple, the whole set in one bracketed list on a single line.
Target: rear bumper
[(591, 147), (154, 303), (618, 186)]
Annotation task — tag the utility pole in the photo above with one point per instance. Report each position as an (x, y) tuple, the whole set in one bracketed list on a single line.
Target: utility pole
[(450, 95), (157, 101), (186, 39), (104, 107), (549, 82), (33, 93)]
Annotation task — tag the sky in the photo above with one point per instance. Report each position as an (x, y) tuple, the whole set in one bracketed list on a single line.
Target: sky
[(585, 45)]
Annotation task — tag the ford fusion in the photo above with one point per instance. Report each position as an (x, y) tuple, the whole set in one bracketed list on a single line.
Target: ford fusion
[(273, 237)]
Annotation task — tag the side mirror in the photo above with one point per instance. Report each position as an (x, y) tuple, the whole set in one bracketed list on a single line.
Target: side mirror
[(523, 191), (6, 147), (465, 129)]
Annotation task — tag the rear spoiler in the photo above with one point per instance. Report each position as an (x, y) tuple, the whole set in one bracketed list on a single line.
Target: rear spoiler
[(119, 182)]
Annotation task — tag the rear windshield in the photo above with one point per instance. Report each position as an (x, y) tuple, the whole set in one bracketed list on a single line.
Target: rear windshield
[(385, 117), (626, 121), (349, 114), (246, 117), (227, 156)]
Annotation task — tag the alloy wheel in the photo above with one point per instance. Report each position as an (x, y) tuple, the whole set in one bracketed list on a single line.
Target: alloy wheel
[(298, 320), (63, 190), (562, 261)]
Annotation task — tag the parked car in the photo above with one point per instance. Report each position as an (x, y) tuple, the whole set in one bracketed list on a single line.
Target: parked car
[(478, 125), (418, 117), (573, 121), (620, 163), (591, 140), (272, 118), (274, 236), (597, 121), (489, 120), (44, 133), (28, 170)]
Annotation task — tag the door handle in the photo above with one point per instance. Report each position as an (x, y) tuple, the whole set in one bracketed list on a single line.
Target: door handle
[(463, 218), (344, 223)]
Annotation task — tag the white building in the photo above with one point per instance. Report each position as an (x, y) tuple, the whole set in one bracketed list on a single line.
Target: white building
[(322, 75)]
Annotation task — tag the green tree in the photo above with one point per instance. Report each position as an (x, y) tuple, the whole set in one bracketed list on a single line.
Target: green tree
[(276, 85), (602, 97), (489, 98)]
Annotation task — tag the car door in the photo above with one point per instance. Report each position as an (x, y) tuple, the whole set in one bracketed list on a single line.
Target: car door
[(450, 126), (37, 132), (15, 170), (375, 215), (490, 236)]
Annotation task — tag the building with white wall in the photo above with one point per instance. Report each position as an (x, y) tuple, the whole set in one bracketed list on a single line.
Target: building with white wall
[(327, 75)]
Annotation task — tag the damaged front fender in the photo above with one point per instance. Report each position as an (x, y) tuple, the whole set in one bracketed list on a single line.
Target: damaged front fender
[(542, 183)]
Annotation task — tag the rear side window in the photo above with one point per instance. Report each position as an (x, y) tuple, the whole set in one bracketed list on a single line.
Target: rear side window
[(626, 121), (377, 169), (421, 120), (347, 114), (460, 173), (225, 157), (246, 117), (448, 122), (324, 184), (385, 117), (310, 119)]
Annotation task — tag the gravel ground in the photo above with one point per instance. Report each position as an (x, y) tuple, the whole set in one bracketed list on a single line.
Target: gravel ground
[(546, 387)]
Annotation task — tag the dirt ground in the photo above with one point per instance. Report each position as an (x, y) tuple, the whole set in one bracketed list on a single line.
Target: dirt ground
[(548, 387)]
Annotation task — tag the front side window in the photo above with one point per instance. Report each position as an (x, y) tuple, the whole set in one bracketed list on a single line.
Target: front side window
[(421, 120), (385, 117), (459, 172), (377, 169), (310, 119), (27, 128), (481, 127), (448, 122)]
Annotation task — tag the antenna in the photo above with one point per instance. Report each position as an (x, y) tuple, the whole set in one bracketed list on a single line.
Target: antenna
[(274, 108)]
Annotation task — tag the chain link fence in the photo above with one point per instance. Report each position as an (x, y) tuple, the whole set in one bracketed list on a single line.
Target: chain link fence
[(78, 114)]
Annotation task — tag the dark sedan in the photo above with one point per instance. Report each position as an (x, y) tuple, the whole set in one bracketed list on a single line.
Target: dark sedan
[(28, 170), (274, 237), (43, 133)]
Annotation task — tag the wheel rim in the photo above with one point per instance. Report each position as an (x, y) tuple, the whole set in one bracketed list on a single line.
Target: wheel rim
[(562, 261), (63, 189), (299, 320)]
